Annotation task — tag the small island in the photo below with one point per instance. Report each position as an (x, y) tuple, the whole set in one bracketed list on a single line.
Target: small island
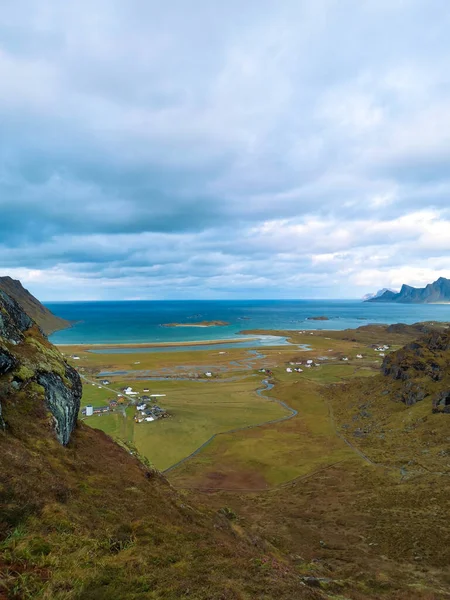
[(318, 319), (200, 324)]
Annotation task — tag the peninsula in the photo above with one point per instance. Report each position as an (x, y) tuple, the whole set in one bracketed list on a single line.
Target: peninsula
[(47, 321), (199, 324), (434, 293)]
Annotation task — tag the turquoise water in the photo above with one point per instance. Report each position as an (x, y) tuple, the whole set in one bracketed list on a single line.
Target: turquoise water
[(140, 321)]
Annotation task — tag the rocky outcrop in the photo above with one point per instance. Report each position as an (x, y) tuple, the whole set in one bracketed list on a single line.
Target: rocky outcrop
[(441, 402), (421, 365), (62, 400), (31, 368), (436, 292), (13, 320)]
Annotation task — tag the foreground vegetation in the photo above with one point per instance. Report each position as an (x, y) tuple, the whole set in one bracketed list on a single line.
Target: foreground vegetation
[(348, 499)]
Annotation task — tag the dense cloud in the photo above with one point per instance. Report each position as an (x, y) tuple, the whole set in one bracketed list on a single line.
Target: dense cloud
[(211, 149)]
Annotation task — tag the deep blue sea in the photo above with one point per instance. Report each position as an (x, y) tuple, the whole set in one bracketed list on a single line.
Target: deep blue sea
[(140, 321)]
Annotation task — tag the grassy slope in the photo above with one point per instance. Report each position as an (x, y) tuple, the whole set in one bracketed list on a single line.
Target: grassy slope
[(87, 523)]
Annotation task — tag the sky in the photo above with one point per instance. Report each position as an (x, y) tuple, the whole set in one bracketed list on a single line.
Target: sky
[(210, 149)]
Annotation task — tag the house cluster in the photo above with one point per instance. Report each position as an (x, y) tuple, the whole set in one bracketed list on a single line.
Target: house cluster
[(309, 364), (126, 398), (381, 349), (144, 412)]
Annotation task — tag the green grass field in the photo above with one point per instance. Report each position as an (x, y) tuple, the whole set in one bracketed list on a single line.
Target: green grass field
[(198, 410), (272, 454)]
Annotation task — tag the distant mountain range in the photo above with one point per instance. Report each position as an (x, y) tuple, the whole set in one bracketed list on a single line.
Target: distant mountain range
[(433, 293), (377, 294), (47, 321)]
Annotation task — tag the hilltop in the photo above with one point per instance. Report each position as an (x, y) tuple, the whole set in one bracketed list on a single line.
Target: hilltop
[(84, 518), (47, 321), (437, 292)]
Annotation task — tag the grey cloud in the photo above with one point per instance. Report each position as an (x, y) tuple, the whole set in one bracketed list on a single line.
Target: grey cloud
[(147, 140)]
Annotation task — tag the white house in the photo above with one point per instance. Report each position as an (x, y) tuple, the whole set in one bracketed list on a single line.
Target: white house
[(129, 391), (288, 370), (141, 406), (382, 354), (208, 374), (345, 358), (75, 357), (309, 362), (359, 356), (149, 418)]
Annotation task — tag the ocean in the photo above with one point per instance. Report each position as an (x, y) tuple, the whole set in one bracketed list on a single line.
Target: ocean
[(140, 321)]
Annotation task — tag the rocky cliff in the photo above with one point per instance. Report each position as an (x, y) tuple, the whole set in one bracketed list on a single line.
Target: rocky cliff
[(31, 366), (436, 292), (46, 320)]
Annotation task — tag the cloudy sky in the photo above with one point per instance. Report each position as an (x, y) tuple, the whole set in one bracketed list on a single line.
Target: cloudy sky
[(211, 149)]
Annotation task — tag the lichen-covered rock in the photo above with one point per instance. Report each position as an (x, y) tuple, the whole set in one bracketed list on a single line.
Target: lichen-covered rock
[(27, 361), (62, 400)]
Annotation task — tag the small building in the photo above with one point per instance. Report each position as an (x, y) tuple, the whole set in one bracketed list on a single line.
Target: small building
[(89, 410), (345, 358), (288, 370), (141, 406), (146, 390), (359, 356), (75, 357), (129, 391), (105, 382), (309, 362), (208, 374), (113, 404)]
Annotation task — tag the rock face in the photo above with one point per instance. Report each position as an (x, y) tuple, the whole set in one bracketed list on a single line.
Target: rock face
[(439, 291), (34, 378), (46, 320)]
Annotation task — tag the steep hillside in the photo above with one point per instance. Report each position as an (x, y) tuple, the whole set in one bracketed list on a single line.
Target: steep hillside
[(436, 292), (82, 518), (46, 320)]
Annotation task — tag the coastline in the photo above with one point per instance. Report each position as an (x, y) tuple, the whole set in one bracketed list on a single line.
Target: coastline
[(161, 344)]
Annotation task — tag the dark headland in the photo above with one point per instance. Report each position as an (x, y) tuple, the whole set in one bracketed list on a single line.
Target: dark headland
[(434, 293)]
